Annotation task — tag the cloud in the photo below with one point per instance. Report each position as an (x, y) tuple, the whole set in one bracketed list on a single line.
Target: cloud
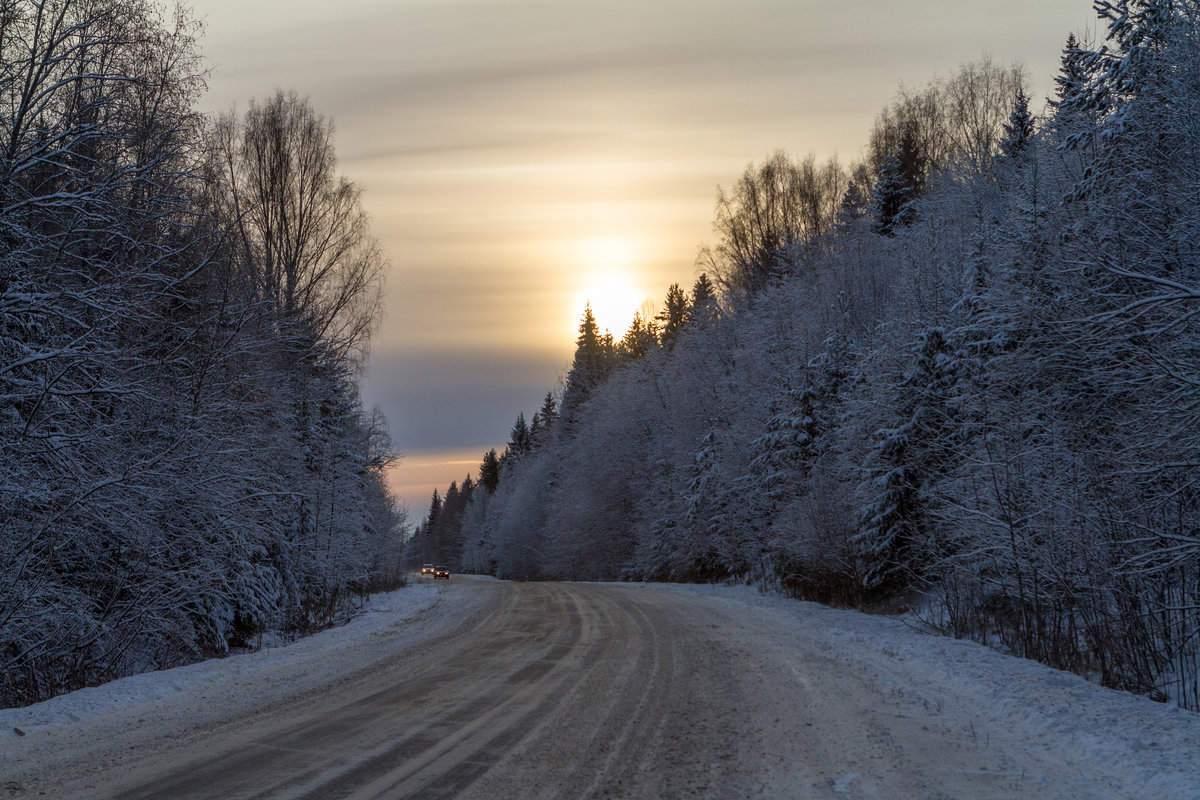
[(458, 398)]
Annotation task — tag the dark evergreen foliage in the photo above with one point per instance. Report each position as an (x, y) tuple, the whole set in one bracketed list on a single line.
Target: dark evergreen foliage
[(674, 315), (1019, 128), (899, 183)]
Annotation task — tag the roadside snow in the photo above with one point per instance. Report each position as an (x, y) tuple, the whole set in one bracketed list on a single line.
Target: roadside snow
[(985, 694), (191, 694)]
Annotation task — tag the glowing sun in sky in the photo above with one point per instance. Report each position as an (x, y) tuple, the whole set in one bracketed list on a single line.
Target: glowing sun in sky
[(609, 281)]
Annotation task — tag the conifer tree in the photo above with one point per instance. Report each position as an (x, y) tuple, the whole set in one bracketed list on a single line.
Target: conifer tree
[(1074, 121), (704, 301), (907, 458), (785, 450), (856, 203), (519, 439), (1019, 127), (590, 367), (674, 315), (546, 417), (640, 339), (435, 509), (900, 181), (489, 471), (1072, 76)]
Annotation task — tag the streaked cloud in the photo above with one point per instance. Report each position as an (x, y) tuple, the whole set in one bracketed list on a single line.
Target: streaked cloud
[(495, 139)]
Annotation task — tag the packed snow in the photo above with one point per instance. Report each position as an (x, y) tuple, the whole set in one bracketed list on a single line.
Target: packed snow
[(984, 694)]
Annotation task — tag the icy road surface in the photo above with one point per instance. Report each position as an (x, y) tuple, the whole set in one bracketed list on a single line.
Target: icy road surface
[(484, 689)]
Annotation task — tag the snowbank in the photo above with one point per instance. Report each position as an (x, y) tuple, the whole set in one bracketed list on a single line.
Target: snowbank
[(987, 693), (219, 682)]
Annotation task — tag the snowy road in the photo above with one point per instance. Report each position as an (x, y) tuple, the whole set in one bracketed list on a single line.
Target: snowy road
[(591, 690)]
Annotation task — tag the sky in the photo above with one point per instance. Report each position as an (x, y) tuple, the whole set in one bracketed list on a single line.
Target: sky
[(521, 159)]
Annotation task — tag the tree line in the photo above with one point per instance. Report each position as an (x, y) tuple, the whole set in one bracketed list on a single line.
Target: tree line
[(957, 377), (185, 308)]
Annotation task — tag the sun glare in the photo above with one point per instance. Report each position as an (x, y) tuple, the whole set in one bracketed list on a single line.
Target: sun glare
[(608, 281), (609, 252), (614, 297)]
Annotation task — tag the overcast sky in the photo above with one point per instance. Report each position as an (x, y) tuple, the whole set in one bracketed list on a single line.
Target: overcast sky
[(522, 158)]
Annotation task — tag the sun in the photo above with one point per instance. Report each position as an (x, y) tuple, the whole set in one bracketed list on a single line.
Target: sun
[(608, 281), (614, 297)]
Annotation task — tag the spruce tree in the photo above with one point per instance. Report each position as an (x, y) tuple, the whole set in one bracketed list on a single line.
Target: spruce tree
[(901, 179), (1073, 121), (1019, 128), (785, 450), (546, 416), (640, 339), (856, 203), (435, 509), (703, 293), (907, 457), (674, 315), (489, 471), (1072, 75), (519, 439), (589, 369)]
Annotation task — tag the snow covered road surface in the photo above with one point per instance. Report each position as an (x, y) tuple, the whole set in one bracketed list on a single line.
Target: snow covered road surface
[(594, 690)]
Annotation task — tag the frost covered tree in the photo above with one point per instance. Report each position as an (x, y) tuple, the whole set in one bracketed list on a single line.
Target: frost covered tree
[(489, 471), (774, 207), (900, 181), (640, 339), (151, 504), (1019, 127), (704, 301), (994, 406), (548, 416), (899, 512)]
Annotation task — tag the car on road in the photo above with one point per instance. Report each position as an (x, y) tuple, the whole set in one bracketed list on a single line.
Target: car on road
[(441, 572), (427, 569)]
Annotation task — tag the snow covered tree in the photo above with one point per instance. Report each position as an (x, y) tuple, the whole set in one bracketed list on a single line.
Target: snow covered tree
[(1019, 127), (900, 181), (520, 441), (435, 509), (149, 456), (703, 309), (897, 518), (1027, 464), (1073, 76), (772, 208), (785, 450)]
